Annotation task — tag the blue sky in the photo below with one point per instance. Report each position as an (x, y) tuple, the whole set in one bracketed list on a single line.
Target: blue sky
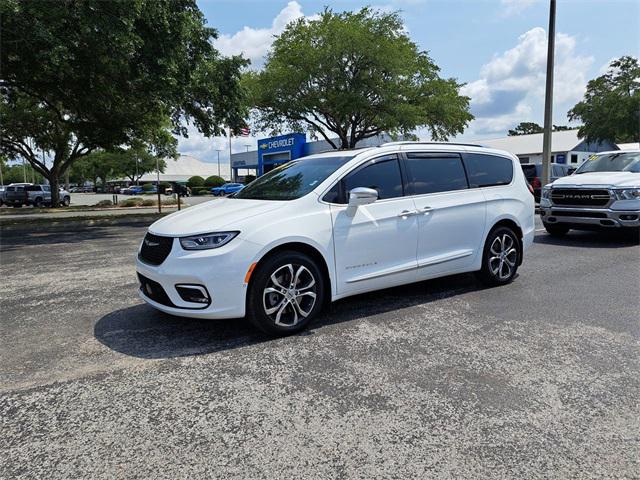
[(496, 47)]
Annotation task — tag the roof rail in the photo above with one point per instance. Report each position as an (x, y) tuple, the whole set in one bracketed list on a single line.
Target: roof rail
[(407, 142)]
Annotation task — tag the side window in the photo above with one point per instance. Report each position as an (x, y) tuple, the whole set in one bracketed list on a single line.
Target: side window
[(334, 195), (381, 174), (488, 170), (46, 188), (435, 172)]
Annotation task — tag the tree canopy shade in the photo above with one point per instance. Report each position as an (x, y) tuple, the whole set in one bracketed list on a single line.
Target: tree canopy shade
[(610, 108), (355, 74), (84, 74)]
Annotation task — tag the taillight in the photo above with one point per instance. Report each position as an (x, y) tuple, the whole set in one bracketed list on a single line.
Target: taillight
[(536, 182)]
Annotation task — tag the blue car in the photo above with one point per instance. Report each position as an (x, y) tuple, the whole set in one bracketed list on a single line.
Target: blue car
[(227, 189)]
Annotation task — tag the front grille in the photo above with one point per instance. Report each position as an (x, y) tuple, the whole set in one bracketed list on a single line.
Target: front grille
[(154, 291), (578, 213), (584, 197), (155, 249)]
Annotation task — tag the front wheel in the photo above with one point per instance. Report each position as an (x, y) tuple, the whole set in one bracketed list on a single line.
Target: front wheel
[(66, 201), (556, 230), (286, 294), (501, 255)]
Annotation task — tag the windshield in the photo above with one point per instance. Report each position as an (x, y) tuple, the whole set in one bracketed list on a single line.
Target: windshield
[(293, 179), (611, 162)]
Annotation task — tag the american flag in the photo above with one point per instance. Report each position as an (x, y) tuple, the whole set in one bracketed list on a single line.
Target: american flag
[(244, 132)]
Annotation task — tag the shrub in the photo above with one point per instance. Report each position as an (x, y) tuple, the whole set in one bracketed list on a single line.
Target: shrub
[(148, 202), (249, 178), (214, 181), (147, 187), (104, 203), (201, 191), (170, 201), (195, 181), (132, 202)]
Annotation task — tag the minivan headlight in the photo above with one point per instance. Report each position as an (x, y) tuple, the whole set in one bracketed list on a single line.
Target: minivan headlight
[(627, 194), (207, 240)]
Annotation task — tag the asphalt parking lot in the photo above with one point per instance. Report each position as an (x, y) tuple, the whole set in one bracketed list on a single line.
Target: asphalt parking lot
[(538, 379)]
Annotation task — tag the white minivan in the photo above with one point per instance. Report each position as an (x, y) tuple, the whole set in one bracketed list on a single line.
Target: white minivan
[(337, 224)]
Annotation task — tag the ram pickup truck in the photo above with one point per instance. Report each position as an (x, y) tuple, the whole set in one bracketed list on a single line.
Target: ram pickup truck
[(604, 192), (36, 195)]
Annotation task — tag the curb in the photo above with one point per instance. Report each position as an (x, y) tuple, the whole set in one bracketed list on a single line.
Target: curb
[(34, 224)]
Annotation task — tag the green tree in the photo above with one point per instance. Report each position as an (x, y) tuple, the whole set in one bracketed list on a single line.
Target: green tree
[(525, 128), (214, 181), (195, 182), (610, 109), (82, 75), (528, 128), (134, 162), (354, 74)]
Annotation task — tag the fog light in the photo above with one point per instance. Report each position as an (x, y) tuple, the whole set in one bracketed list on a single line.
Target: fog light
[(193, 294), (628, 217)]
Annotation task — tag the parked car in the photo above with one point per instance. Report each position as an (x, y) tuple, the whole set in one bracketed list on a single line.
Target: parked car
[(604, 192), (336, 224), (2, 193), (533, 174), (227, 189), (18, 195), (83, 189), (132, 190)]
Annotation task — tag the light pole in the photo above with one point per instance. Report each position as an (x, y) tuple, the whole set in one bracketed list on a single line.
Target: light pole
[(158, 183), (548, 96), (218, 150)]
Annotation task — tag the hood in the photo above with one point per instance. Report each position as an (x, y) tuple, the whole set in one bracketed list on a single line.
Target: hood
[(213, 216), (601, 179)]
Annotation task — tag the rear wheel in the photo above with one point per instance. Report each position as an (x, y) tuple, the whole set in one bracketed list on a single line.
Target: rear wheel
[(500, 257), (556, 230), (286, 294), (39, 203), (66, 201)]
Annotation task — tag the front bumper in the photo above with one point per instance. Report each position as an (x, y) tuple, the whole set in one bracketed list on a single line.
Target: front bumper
[(578, 217), (221, 271)]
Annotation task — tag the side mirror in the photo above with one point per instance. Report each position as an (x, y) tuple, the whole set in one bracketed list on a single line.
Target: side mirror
[(362, 196)]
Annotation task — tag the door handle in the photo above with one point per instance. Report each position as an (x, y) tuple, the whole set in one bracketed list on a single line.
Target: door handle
[(425, 209), (407, 213)]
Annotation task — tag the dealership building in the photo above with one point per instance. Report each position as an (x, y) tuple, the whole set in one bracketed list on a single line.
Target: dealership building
[(275, 151), (566, 147)]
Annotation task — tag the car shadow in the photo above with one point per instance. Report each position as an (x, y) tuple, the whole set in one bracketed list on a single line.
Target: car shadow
[(591, 239), (144, 332)]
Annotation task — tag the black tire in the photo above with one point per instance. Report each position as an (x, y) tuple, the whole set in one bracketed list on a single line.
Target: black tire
[(273, 311), (17, 205), (500, 263), (66, 201), (556, 230), (38, 203)]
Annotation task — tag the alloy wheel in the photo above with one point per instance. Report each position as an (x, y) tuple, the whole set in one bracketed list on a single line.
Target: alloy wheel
[(290, 295), (504, 256)]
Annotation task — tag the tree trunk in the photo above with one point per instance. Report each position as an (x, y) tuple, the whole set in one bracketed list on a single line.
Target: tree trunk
[(54, 184)]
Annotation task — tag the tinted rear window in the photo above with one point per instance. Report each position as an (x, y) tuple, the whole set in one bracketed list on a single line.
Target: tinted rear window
[(488, 170), (433, 173)]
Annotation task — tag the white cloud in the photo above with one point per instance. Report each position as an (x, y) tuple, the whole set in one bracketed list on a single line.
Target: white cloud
[(254, 43), (516, 7), (511, 86)]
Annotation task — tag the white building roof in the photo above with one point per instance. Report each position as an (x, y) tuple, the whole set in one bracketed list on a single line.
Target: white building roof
[(185, 167), (629, 146), (563, 141)]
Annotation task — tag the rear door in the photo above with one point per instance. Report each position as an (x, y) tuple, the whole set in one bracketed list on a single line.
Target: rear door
[(451, 216), (375, 245)]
